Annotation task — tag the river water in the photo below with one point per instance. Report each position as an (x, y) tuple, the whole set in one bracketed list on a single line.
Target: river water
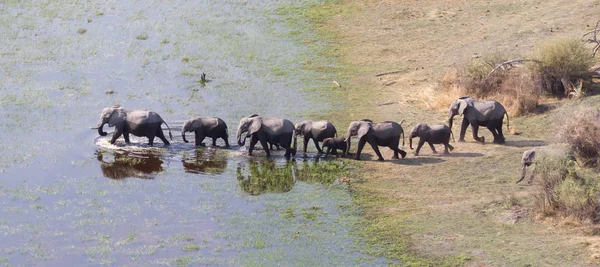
[(68, 197)]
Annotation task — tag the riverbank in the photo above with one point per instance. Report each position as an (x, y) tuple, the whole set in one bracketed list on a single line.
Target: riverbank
[(462, 209)]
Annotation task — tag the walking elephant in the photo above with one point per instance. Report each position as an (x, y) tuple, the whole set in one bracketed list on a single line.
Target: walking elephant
[(267, 131), (315, 130), (488, 113), (385, 133), (206, 127), (435, 134), (333, 144), (139, 122)]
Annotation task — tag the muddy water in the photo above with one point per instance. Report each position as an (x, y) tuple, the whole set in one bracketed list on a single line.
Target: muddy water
[(69, 197)]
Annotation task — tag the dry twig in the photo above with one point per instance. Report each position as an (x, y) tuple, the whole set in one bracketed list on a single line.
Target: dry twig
[(510, 64), (594, 39)]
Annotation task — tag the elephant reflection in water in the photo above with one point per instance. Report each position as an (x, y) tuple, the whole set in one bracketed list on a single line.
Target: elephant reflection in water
[(266, 177), (124, 166), (208, 160)]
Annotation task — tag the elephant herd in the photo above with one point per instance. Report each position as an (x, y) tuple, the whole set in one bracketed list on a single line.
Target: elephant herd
[(283, 133)]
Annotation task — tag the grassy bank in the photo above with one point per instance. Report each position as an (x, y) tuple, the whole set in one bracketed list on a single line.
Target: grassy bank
[(462, 209)]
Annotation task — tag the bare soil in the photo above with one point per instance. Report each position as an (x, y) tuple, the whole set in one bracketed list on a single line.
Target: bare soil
[(465, 208)]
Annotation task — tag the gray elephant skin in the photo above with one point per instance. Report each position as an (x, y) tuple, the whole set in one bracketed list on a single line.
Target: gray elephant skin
[(434, 134), (385, 133), (139, 122), (315, 130), (267, 131), (488, 113), (211, 127), (335, 143)]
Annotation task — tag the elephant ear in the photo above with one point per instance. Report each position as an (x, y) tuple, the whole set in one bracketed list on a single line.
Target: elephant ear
[(255, 125), (363, 129), (196, 124), (462, 105), (306, 126), (114, 117)]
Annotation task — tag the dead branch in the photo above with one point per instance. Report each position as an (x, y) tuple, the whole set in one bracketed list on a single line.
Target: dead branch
[(509, 63), (594, 39), (389, 72)]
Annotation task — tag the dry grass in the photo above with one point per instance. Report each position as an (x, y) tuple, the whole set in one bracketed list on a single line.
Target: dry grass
[(565, 189), (582, 132), (450, 206)]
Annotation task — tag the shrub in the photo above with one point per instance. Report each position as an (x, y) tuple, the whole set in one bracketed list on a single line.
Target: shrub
[(560, 62), (563, 188), (582, 132)]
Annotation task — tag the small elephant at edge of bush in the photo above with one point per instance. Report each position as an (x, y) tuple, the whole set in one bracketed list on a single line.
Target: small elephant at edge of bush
[(203, 127), (434, 134)]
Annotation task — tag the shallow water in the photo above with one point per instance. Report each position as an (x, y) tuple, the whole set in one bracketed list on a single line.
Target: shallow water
[(69, 197)]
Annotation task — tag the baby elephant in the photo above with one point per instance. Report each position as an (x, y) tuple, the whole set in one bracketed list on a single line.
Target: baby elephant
[(435, 134), (335, 143), (206, 127)]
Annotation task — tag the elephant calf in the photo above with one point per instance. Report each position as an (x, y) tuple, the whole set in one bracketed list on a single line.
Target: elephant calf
[(435, 134), (335, 144), (206, 127), (527, 160)]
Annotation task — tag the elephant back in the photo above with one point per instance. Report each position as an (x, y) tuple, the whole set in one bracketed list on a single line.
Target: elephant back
[(387, 129)]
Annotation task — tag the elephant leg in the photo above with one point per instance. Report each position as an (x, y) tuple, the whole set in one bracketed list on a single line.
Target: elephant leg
[(501, 139), (151, 139), (317, 146), (375, 147), (492, 127), (432, 147), (200, 138), (226, 139), (214, 143), (463, 129), (419, 145), (361, 144), (475, 128), (394, 147), (328, 151), (306, 139), (264, 144), (253, 141), (115, 136), (126, 137), (447, 147), (162, 137)]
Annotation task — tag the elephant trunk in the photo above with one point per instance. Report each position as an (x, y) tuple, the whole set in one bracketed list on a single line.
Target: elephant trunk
[(183, 130), (183, 136), (410, 142), (450, 117), (348, 141), (239, 138), (99, 127)]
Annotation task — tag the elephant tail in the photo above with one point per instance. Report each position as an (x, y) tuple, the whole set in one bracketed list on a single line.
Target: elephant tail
[(170, 135), (294, 140), (507, 122)]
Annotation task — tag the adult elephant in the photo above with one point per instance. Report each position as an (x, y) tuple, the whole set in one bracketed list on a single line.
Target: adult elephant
[(488, 113), (206, 127), (139, 122), (315, 130), (385, 133), (267, 130)]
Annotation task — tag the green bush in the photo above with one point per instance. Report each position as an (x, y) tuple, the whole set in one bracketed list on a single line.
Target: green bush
[(564, 188), (560, 61), (582, 132)]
